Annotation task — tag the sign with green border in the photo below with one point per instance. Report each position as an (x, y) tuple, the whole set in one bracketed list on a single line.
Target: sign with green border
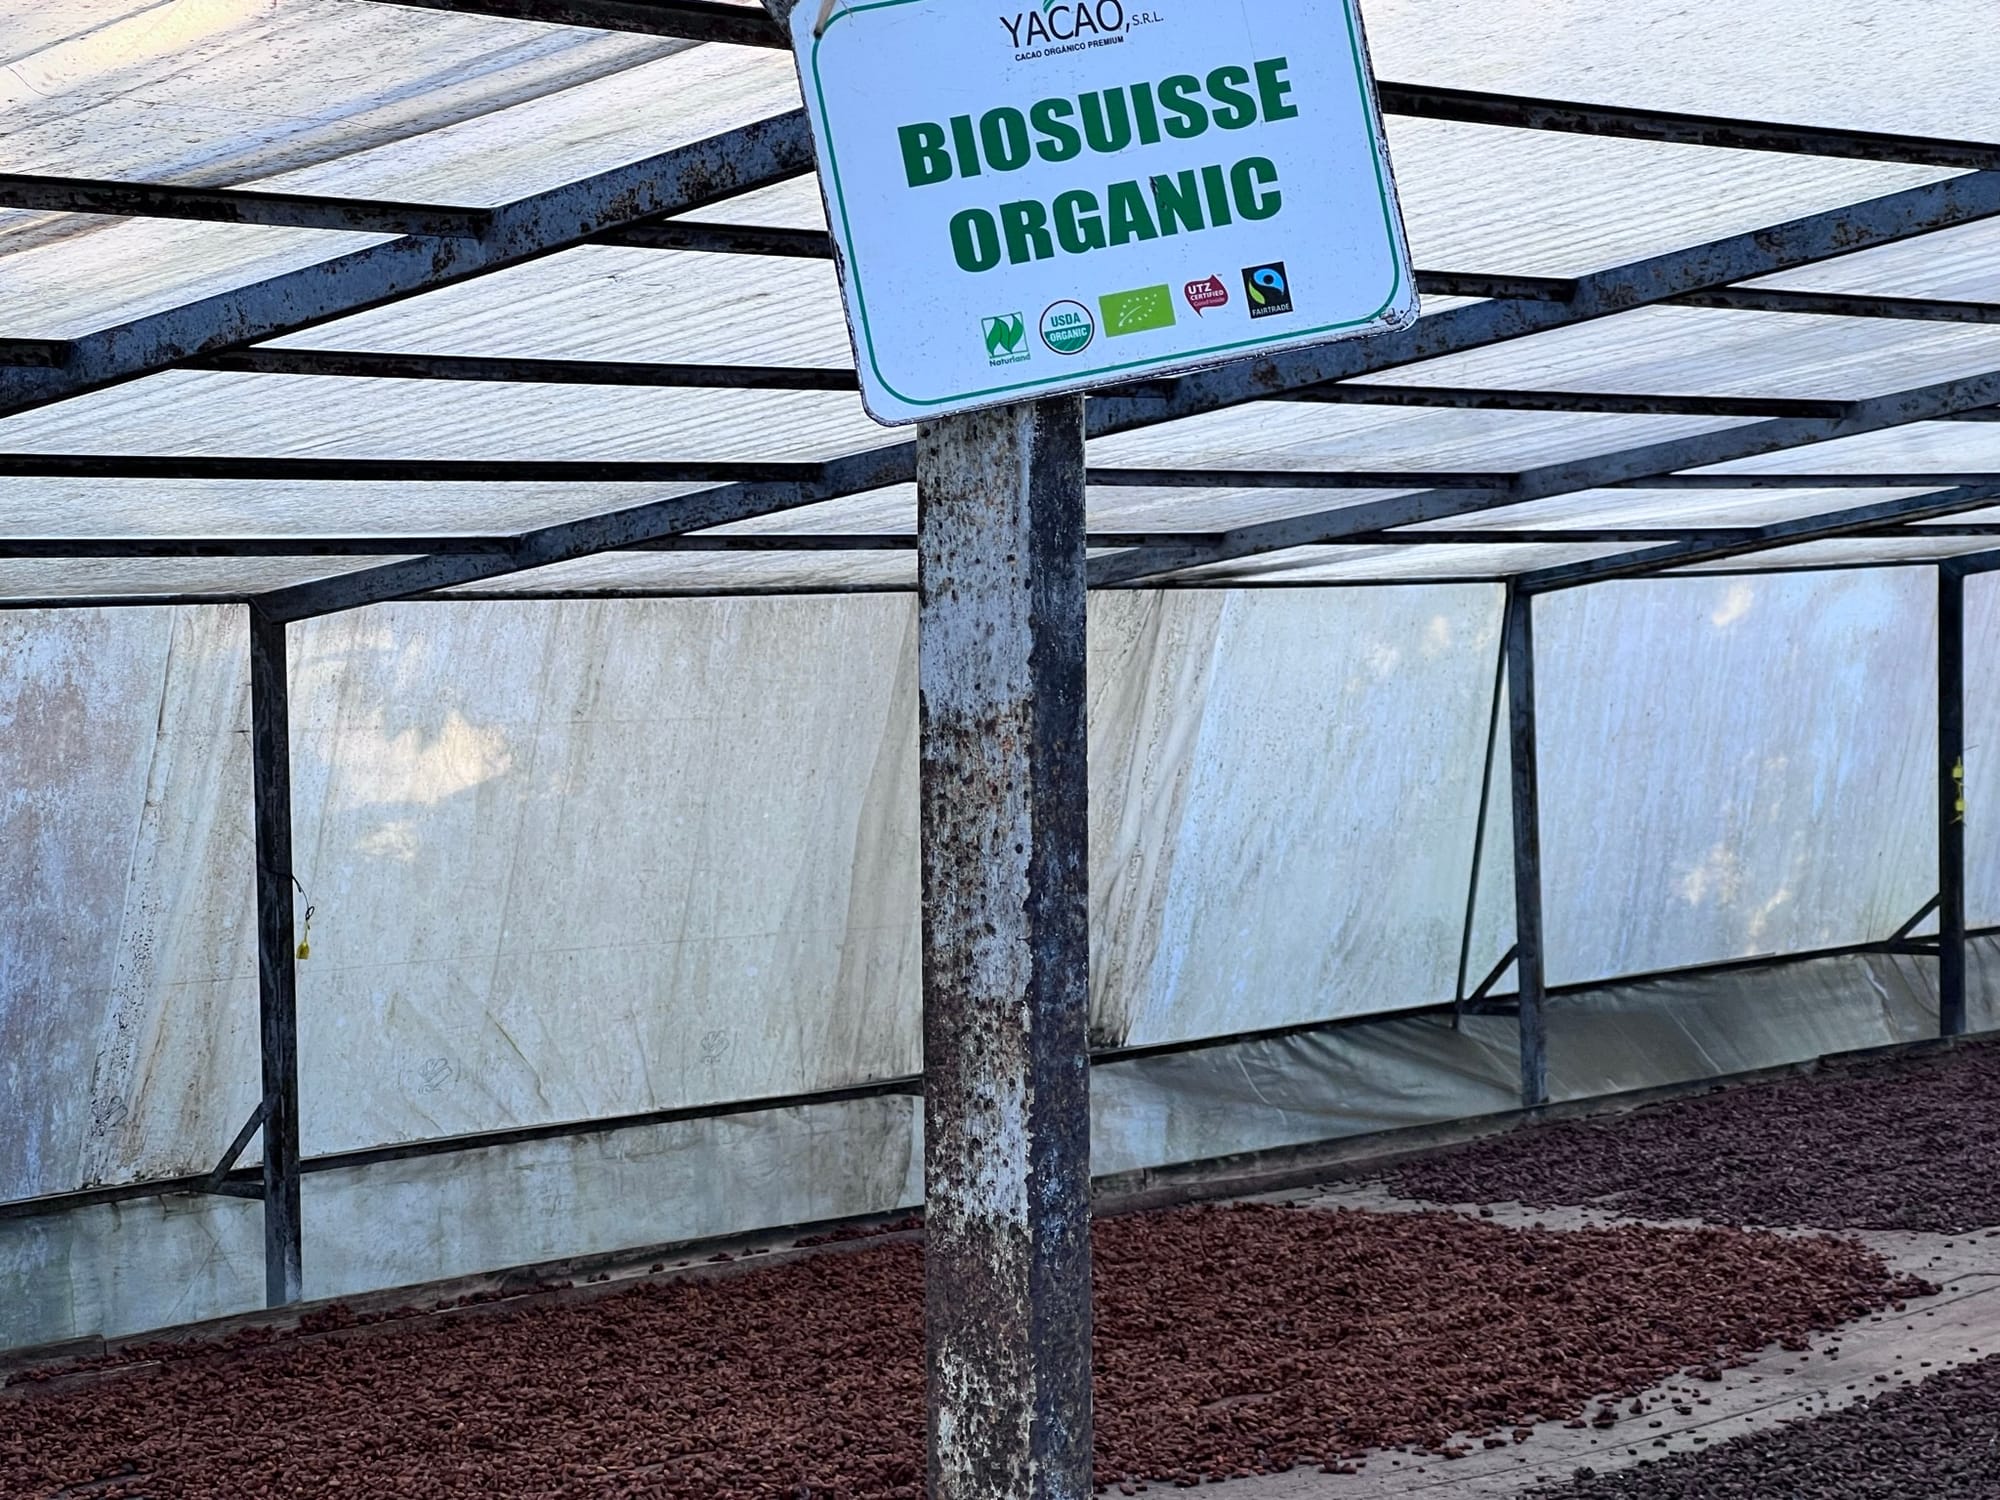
[(1044, 196)]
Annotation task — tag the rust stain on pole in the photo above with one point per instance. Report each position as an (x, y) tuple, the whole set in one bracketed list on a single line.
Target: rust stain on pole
[(1006, 952)]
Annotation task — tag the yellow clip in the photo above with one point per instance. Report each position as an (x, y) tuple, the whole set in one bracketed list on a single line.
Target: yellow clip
[(1958, 780), (305, 935)]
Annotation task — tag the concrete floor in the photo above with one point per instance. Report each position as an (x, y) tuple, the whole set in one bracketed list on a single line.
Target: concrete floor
[(1958, 1326)]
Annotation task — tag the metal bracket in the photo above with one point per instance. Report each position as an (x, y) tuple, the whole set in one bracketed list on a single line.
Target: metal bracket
[(218, 1181)]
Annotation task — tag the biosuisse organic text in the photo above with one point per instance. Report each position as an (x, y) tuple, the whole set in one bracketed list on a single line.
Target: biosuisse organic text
[(1181, 108)]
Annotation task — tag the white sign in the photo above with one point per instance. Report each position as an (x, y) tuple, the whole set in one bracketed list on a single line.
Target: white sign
[(1033, 196)]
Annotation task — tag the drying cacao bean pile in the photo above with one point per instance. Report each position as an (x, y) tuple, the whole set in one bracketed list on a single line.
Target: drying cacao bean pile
[(1928, 1440), (1229, 1341), (1911, 1144)]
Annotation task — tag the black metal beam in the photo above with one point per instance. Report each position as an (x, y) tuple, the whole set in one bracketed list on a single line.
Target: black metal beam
[(1431, 102), (158, 200), (688, 20), (1528, 952), (277, 976), (723, 239), (1288, 479), (37, 354), (1615, 403), (1951, 800), (401, 470), (268, 360), (730, 471), (403, 546), (358, 364), (1843, 305)]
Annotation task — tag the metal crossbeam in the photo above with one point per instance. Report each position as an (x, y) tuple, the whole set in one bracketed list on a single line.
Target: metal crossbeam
[(370, 366), (1430, 102), (689, 20), (1843, 305), (1822, 527), (737, 160), (405, 470), (614, 532), (362, 364), (151, 200), (725, 239), (1818, 236), (1647, 462), (816, 541), (727, 471)]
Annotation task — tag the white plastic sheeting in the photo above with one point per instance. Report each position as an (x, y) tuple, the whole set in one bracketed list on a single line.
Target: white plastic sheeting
[(567, 861), (587, 859)]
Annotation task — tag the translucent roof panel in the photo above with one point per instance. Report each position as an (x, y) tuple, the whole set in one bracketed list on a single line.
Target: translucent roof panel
[(1311, 436), (1711, 351), (708, 573), (363, 99), (181, 412), (1539, 203), (118, 578), (1853, 63), (1963, 262), (1401, 564), (197, 508), (369, 104), (1667, 508), (608, 302), (1849, 552)]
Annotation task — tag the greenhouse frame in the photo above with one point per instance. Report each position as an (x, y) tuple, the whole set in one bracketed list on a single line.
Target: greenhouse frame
[(459, 708)]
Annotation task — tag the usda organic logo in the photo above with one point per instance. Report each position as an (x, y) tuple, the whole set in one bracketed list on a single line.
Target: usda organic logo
[(1068, 328)]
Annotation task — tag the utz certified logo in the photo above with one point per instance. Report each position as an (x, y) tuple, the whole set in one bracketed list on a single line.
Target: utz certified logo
[(1067, 327), (1210, 291), (1006, 338)]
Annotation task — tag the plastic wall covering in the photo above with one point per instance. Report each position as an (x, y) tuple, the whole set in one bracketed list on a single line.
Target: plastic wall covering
[(582, 859), (587, 859)]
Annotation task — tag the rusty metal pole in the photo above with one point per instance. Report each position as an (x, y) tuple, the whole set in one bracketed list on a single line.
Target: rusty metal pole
[(277, 977), (1000, 632), (1951, 801), (1520, 646)]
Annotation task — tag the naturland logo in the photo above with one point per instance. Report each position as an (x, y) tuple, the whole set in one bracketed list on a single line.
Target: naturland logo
[(1087, 21)]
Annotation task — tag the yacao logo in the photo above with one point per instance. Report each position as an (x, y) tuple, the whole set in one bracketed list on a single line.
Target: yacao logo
[(1058, 21)]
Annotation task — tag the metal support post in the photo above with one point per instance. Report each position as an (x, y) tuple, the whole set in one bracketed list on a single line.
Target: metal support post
[(277, 979), (1000, 630), (1951, 801), (1527, 846)]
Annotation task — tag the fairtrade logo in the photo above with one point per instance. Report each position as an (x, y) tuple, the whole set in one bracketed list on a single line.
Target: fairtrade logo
[(1006, 338), (1269, 290), (1067, 327), (1137, 310), (1209, 292)]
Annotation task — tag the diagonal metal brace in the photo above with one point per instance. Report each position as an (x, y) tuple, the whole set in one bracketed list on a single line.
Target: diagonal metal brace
[(218, 1181)]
